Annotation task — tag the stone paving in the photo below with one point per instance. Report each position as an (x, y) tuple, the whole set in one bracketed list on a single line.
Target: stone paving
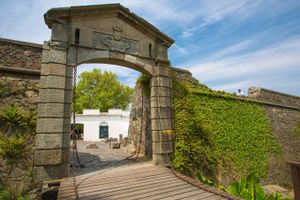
[(102, 157)]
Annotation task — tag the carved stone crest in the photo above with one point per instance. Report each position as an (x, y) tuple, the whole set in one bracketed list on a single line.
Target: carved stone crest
[(115, 42)]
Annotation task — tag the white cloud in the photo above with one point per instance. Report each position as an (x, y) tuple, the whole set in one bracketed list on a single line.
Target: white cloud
[(282, 58)]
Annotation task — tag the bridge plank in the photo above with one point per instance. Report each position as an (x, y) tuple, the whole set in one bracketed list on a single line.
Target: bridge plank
[(141, 181)]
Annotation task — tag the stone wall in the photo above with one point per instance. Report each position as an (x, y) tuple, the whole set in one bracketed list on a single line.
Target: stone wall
[(282, 110), (139, 132), (273, 97), (20, 64), (17, 54), (19, 85)]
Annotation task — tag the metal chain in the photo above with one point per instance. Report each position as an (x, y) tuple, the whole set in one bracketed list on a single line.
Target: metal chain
[(73, 132)]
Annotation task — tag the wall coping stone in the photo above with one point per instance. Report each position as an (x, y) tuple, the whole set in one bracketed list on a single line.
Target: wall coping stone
[(20, 70), (247, 99), (23, 43), (181, 70), (276, 92)]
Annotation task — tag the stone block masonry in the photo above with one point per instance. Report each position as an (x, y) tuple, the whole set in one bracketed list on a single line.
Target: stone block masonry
[(282, 110), (20, 64), (22, 55)]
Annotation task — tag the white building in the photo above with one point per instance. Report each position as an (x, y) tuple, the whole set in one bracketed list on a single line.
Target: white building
[(98, 126)]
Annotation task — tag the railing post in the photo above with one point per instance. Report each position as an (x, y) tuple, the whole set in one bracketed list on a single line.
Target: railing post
[(295, 169)]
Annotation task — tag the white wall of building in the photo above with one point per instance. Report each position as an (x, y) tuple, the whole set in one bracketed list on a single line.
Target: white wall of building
[(117, 120)]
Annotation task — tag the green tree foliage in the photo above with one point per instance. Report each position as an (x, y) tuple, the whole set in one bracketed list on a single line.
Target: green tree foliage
[(219, 134), (101, 90)]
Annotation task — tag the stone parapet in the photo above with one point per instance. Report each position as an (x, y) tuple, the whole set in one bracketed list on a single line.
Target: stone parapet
[(270, 96), (17, 54)]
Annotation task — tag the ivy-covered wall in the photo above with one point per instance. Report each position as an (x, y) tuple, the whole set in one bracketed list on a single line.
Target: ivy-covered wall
[(227, 137), (224, 137)]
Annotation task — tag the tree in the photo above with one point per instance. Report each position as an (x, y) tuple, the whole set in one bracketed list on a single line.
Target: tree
[(97, 90)]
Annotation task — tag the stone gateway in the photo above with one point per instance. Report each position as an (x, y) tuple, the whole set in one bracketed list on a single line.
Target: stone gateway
[(108, 34)]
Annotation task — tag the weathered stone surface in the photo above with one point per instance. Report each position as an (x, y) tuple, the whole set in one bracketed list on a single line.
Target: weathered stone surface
[(161, 91), (161, 81), (161, 102), (60, 32), (161, 159), (55, 96), (54, 110), (162, 113), (140, 121), (162, 71), (51, 156), (163, 135), (52, 141), (20, 54), (162, 124), (52, 54), (271, 96), (56, 70), (53, 125), (77, 55), (163, 147), (51, 172), (283, 122), (19, 90), (55, 82)]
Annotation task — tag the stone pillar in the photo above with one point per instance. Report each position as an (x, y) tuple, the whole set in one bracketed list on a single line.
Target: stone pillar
[(52, 140), (162, 122)]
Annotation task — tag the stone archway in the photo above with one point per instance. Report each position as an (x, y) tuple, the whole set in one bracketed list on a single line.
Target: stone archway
[(98, 34)]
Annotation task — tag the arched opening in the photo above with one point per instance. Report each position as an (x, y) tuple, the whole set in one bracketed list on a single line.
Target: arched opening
[(107, 133)]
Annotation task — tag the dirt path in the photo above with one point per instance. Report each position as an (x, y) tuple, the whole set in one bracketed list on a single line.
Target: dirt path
[(102, 157)]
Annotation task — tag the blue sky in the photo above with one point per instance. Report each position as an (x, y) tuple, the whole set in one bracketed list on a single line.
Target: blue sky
[(227, 44)]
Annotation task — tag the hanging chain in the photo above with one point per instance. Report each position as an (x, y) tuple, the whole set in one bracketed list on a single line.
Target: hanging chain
[(73, 132)]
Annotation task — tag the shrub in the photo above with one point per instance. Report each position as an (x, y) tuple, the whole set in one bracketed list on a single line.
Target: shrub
[(14, 120), (249, 188), (14, 148)]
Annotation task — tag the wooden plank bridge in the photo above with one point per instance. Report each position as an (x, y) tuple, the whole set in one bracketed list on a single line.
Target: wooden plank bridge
[(142, 181)]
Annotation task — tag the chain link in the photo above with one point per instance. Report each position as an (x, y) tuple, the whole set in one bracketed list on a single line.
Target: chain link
[(73, 133)]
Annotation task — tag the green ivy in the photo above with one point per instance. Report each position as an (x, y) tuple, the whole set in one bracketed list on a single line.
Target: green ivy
[(144, 81), (220, 134), (249, 188), (17, 128), (14, 120), (14, 148)]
